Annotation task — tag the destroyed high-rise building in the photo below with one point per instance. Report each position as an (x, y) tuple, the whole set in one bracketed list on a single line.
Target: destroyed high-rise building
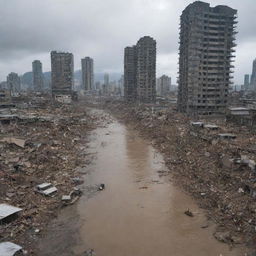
[(38, 81), (247, 82), (206, 52), (130, 72), (13, 83), (140, 71), (87, 74), (62, 64), (146, 69), (253, 76)]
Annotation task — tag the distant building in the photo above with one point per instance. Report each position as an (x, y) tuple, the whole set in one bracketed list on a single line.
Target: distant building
[(253, 76), (206, 52), (164, 85), (106, 79), (105, 86), (246, 82), (87, 74), (62, 64), (121, 85), (130, 73), (98, 85), (3, 85), (38, 81), (140, 71), (13, 83)]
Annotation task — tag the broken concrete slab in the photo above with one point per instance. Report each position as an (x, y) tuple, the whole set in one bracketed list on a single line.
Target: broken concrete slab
[(227, 136), (12, 140), (7, 211), (9, 249), (49, 191), (211, 126), (44, 186), (66, 198), (197, 124), (46, 189)]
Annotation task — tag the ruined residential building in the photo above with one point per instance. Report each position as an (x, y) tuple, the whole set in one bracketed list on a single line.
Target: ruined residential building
[(140, 71), (253, 76), (164, 85), (247, 82), (87, 74), (130, 71), (13, 83), (146, 69), (38, 81), (62, 64), (207, 36)]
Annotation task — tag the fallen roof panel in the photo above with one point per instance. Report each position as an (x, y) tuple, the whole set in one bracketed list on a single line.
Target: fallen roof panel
[(7, 210)]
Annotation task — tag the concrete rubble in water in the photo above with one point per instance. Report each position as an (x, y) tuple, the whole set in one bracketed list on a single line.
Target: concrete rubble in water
[(219, 171)]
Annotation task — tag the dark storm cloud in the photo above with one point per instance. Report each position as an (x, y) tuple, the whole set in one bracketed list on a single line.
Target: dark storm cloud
[(30, 29)]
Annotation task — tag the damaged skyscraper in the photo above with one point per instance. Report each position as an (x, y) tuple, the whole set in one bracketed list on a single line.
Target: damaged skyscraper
[(62, 64), (87, 74), (13, 83), (38, 81), (130, 68), (140, 71), (206, 52)]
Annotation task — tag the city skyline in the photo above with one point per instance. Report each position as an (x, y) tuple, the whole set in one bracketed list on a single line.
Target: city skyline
[(17, 54)]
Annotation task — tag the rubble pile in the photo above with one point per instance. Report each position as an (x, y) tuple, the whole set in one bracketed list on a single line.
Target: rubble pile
[(213, 161), (40, 150)]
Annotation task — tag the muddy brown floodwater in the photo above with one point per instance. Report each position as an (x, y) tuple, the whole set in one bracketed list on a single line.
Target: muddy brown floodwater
[(138, 214)]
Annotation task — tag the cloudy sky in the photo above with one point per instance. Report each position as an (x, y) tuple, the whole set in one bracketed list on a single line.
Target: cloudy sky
[(30, 29)]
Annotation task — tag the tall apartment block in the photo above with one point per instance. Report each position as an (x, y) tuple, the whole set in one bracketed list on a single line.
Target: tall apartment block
[(206, 52), (38, 81), (253, 76), (62, 64), (140, 71), (13, 83), (247, 82), (146, 69), (130, 71), (87, 74)]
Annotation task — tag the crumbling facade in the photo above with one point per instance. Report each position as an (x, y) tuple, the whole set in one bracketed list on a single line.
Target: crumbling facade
[(205, 58), (146, 69), (13, 83), (38, 81), (140, 71), (130, 71), (87, 74), (62, 64), (253, 76)]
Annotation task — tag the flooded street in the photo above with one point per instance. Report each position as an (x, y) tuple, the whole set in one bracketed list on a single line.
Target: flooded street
[(138, 213)]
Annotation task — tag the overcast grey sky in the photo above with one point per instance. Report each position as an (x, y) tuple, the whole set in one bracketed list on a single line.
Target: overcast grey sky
[(30, 29)]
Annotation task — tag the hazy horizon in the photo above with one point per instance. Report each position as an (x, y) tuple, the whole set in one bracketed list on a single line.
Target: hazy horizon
[(30, 29)]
